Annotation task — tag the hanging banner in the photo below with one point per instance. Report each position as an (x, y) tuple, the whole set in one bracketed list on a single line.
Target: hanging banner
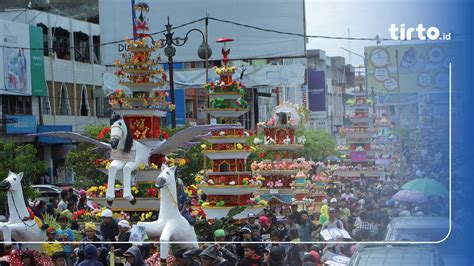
[(38, 83), (15, 54), (421, 67), (317, 91)]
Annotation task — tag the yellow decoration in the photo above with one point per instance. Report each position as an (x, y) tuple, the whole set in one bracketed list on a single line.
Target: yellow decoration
[(141, 166), (181, 162), (198, 179), (239, 146), (203, 146), (153, 166)]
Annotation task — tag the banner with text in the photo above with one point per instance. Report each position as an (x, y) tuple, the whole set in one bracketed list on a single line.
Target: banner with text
[(317, 91)]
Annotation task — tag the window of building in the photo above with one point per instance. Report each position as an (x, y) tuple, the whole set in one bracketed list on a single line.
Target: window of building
[(81, 47), (84, 102), (96, 45), (64, 105), (12, 104), (61, 43)]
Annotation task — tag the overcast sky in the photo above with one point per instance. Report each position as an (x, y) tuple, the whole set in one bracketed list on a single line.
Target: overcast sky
[(367, 18)]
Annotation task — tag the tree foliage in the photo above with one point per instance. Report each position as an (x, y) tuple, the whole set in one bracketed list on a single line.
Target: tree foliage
[(82, 160), (319, 144), (21, 158)]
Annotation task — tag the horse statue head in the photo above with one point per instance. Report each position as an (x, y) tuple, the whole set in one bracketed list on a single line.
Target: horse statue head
[(120, 134), (12, 182), (166, 177)]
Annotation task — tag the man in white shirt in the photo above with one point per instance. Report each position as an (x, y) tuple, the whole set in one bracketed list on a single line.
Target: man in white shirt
[(63, 203)]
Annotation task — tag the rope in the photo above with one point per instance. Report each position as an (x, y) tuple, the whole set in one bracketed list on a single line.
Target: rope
[(175, 202), (18, 212)]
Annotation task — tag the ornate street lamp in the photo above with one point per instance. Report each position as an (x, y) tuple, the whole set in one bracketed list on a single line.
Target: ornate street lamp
[(204, 52)]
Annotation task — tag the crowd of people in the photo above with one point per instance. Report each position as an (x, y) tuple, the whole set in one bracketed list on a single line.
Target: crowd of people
[(279, 235)]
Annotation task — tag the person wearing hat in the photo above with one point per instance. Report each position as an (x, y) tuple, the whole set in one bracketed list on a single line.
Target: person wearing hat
[(91, 254), (108, 227), (134, 257), (333, 203), (212, 256), (123, 236), (226, 250), (246, 236), (91, 238), (191, 257), (332, 222), (52, 245), (251, 220), (265, 225)]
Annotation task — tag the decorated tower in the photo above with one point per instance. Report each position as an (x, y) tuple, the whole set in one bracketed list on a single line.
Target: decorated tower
[(360, 155), (143, 106), (226, 181), (284, 171), (386, 143)]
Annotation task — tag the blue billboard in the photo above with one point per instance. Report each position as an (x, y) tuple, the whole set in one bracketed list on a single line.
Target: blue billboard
[(20, 124)]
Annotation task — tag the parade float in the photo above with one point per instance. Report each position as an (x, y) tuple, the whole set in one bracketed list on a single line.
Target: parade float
[(386, 143), (284, 171), (225, 180), (136, 144), (360, 155), (22, 225)]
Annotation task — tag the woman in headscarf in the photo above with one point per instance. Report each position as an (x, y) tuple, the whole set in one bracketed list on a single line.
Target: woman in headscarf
[(324, 216)]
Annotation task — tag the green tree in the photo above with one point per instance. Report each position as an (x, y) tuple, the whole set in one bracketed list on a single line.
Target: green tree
[(319, 144), (21, 158), (82, 160)]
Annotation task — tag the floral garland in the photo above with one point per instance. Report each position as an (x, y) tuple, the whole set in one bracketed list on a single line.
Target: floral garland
[(223, 87)]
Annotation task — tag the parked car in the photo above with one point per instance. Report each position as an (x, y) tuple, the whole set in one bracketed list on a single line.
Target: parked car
[(415, 228), (50, 191), (386, 255), (430, 229)]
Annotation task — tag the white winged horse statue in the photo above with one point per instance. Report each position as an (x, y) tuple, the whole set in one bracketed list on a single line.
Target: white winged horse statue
[(171, 225), (17, 227), (121, 139)]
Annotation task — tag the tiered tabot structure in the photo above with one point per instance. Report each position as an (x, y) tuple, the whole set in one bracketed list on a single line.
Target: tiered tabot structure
[(360, 154), (227, 183), (284, 172), (386, 143), (143, 107)]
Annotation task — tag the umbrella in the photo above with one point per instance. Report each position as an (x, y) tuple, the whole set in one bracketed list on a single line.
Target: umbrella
[(429, 187), (411, 196)]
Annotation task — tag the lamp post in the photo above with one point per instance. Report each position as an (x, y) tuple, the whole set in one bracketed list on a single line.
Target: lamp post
[(366, 74), (169, 43)]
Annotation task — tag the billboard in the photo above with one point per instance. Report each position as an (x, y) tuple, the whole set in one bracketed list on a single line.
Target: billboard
[(23, 124), (411, 67), (116, 24), (17, 57), (317, 91)]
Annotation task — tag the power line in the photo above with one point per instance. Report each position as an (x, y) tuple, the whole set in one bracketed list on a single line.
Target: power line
[(298, 34)]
